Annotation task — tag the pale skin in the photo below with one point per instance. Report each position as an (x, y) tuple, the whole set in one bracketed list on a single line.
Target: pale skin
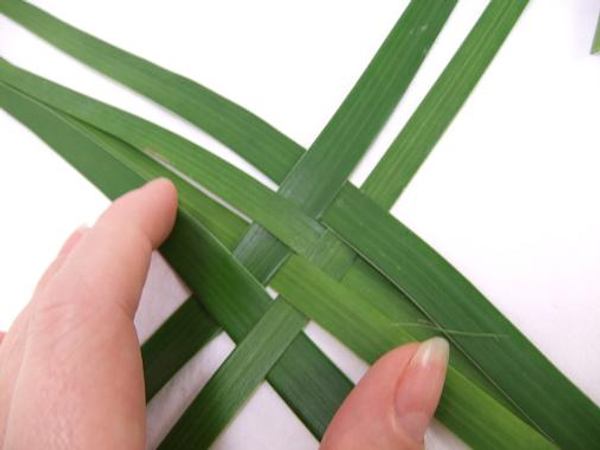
[(70, 365)]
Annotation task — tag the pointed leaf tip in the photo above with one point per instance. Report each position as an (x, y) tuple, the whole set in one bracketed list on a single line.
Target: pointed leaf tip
[(596, 42)]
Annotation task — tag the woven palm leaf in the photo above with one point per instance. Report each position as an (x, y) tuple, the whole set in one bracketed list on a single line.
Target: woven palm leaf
[(331, 250)]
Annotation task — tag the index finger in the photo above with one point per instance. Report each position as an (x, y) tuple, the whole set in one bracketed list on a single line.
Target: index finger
[(110, 263)]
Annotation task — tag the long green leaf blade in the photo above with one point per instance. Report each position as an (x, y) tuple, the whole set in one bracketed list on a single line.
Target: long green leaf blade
[(255, 140), (234, 186), (596, 42), (178, 339), (322, 170), (465, 409), (204, 263), (236, 379), (318, 370), (435, 113), (540, 390), (235, 304)]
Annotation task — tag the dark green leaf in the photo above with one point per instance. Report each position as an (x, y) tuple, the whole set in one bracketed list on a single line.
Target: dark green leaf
[(251, 137), (505, 355)]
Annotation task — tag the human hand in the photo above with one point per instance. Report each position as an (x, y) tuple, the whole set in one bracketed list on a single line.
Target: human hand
[(70, 366)]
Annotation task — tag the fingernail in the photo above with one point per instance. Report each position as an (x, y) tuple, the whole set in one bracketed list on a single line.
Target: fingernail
[(419, 389)]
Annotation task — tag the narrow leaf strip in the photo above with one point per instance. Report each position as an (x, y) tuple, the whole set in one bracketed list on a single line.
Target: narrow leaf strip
[(236, 379), (251, 137), (540, 390), (470, 413), (177, 340), (596, 42), (311, 384), (234, 186), (326, 367), (442, 103), (231, 296), (220, 221), (339, 147), (319, 175), (391, 302)]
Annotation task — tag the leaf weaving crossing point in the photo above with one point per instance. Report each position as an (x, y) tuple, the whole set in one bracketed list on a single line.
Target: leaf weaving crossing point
[(328, 384), (365, 290), (229, 293), (453, 303), (316, 177), (236, 379), (370, 333), (322, 170)]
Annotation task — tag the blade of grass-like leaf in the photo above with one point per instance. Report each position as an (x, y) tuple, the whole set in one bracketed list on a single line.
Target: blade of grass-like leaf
[(322, 170), (389, 301), (220, 221), (238, 377), (425, 20), (87, 101), (255, 140), (179, 338), (186, 247), (596, 42), (465, 409), (231, 184), (538, 388), (305, 347), (331, 158), (203, 262), (183, 334), (261, 252), (311, 385), (442, 103)]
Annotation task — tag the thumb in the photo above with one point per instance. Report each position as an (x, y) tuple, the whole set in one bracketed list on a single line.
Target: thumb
[(394, 403)]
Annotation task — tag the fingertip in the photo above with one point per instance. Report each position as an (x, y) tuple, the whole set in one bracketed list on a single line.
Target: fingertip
[(152, 209), (366, 418), (112, 261), (419, 388), (163, 194), (164, 187)]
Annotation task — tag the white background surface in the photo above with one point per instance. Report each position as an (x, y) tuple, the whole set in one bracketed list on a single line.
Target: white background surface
[(510, 195)]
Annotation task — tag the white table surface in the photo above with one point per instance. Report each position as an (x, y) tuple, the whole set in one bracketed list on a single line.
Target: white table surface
[(510, 195)]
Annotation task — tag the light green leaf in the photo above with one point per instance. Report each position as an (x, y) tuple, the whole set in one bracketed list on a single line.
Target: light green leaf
[(442, 103), (251, 137), (236, 379), (465, 409), (505, 355), (596, 42)]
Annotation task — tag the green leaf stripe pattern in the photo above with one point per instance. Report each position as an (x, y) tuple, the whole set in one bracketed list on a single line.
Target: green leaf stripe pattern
[(331, 250)]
